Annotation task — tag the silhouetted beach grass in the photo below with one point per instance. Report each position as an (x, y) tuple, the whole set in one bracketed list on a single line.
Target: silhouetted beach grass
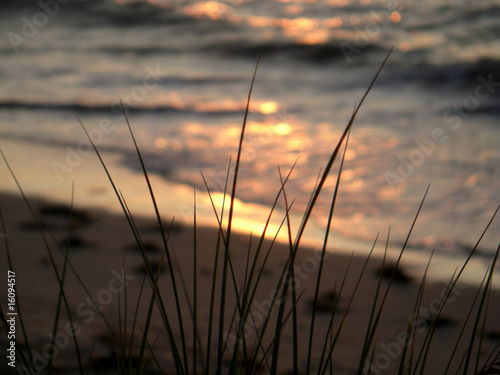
[(240, 307)]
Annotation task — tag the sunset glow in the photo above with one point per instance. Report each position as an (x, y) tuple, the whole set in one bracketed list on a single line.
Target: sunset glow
[(268, 107)]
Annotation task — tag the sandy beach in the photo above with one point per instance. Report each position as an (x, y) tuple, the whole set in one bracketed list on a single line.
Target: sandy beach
[(104, 254)]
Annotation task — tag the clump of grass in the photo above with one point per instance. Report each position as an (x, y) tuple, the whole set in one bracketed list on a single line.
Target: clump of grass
[(225, 348)]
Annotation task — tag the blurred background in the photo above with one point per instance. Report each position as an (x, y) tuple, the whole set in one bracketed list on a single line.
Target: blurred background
[(183, 69)]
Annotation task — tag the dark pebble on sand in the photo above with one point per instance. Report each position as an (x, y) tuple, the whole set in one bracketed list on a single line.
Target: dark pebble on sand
[(493, 335), (33, 225), (441, 321), (113, 362), (155, 266), (326, 303), (62, 211), (73, 242), (399, 275), (168, 227), (150, 247)]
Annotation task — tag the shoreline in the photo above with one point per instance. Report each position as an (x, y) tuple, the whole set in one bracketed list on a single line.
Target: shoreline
[(103, 250), (93, 190)]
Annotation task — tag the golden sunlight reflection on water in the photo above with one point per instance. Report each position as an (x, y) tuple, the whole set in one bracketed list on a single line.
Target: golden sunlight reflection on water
[(305, 30), (268, 107), (210, 9), (183, 102)]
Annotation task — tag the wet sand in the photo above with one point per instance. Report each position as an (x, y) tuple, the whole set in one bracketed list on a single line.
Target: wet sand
[(104, 254)]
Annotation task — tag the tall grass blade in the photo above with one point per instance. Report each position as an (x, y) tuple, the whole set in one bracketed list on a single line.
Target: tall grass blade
[(451, 287), (195, 286), (229, 226), (289, 279), (271, 345), (481, 306), (411, 323), (165, 244), (492, 362), (216, 262), (334, 155), (373, 327), (322, 258), (329, 342), (60, 297), (464, 326), (294, 290), (47, 246), (348, 307), (177, 359), (155, 293), (483, 329), (273, 299), (251, 290), (18, 303), (272, 303), (308, 214)]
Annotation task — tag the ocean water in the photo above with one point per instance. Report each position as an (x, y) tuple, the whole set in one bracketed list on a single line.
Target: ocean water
[(182, 70)]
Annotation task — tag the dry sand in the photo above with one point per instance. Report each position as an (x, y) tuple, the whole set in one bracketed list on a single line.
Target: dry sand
[(105, 257)]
